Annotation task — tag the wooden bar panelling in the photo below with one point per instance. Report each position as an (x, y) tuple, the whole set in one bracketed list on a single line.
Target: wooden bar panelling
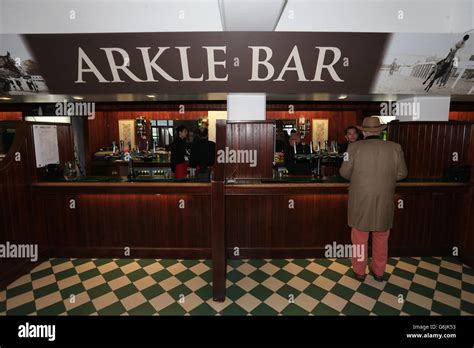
[(263, 225), (461, 115), (107, 223), (15, 197), (466, 245), (15, 205), (121, 188), (256, 136), (219, 262), (429, 146), (11, 116)]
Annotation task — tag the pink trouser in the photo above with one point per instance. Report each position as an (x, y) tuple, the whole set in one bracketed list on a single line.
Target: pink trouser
[(379, 251)]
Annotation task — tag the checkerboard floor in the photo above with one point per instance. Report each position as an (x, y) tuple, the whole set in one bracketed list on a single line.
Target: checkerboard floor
[(414, 286)]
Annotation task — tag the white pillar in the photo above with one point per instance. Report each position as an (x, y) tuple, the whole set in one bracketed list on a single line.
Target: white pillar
[(423, 108), (246, 106)]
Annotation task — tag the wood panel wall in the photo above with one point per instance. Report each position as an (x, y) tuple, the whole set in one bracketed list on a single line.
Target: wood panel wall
[(466, 243), (461, 115), (219, 260), (429, 146), (11, 116), (16, 224), (257, 136), (103, 130)]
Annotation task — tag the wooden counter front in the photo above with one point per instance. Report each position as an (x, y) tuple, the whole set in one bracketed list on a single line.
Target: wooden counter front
[(154, 220), (122, 187), (260, 223), (255, 218)]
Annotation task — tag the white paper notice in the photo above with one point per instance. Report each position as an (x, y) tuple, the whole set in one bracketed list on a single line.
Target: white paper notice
[(46, 145)]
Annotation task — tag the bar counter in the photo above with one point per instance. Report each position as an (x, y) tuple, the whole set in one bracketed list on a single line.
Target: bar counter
[(102, 216), (289, 217), (121, 184)]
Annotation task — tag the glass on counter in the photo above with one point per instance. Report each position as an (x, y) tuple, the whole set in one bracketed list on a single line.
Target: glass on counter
[(71, 171)]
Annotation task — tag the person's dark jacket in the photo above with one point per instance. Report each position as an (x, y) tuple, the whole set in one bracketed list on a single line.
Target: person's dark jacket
[(343, 147), (178, 152), (281, 140), (203, 153), (295, 167)]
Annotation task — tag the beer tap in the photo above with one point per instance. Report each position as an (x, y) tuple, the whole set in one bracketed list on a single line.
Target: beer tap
[(131, 171)]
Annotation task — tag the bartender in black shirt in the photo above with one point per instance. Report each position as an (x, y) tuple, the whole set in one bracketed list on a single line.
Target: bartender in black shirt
[(293, 166), (179, 165), (203, 152)]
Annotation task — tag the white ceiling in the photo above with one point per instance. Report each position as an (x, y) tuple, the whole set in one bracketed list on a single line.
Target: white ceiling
[(69, 16), (250, 15), (95, 16), (408, 16)]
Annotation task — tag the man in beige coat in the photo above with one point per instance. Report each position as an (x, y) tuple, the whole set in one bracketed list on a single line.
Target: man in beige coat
[(373, 167)]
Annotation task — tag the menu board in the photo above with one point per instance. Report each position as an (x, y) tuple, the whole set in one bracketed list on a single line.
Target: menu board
[(46, 145)]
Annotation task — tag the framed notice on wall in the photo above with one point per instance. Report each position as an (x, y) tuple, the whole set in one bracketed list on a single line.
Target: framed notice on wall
[(319, 131), (127, 132), (46, 145)]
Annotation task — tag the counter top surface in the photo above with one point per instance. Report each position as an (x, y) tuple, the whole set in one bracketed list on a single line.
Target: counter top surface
[(141, 163), (120, 181), (333, 181), (117, 184), (337, 181)]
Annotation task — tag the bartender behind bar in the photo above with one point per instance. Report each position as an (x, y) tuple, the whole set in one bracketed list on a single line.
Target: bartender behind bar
[(296, 147), (203, 153), (352, 135), (179, 165)]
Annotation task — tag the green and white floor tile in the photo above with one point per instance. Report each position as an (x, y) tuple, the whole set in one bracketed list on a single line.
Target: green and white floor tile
[(414, 286)]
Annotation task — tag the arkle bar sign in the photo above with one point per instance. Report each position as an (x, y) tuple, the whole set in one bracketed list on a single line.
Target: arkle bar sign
[(212, 62), (272, 62)]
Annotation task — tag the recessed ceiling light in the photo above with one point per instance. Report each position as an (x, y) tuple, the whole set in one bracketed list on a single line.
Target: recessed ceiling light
[(76, 97), (342, 96), (5, 98), (151, 96)]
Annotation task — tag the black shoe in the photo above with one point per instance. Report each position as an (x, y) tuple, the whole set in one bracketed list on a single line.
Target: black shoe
[(376, 277), (359, 277)]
